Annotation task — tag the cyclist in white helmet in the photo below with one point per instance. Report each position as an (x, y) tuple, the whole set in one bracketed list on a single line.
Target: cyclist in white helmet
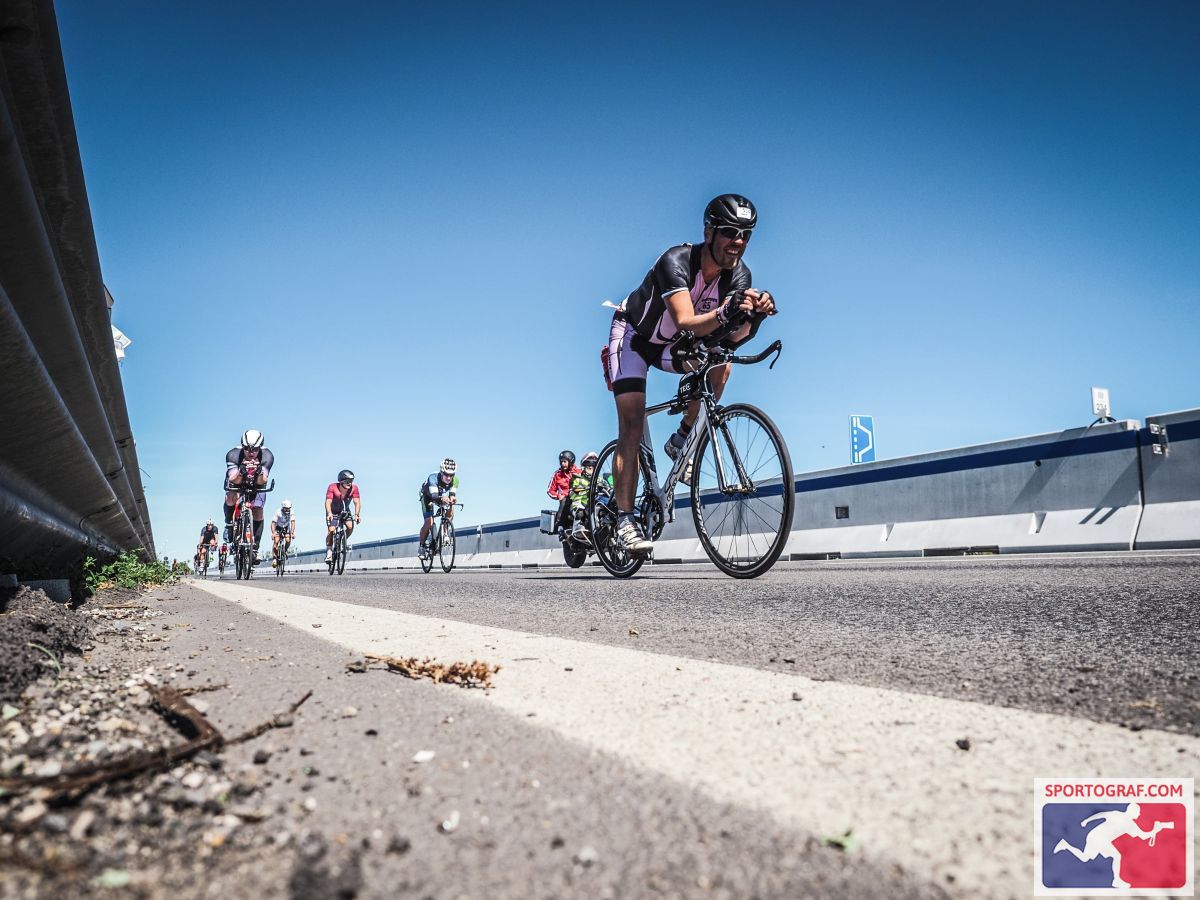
[(439, 488), (283, 531), (250, 460)]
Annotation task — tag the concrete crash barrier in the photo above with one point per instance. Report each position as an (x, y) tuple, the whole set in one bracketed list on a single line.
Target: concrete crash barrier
[(1170, 453), (1078, 489)]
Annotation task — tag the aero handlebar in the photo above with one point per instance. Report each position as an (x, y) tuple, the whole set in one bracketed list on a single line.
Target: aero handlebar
[(776, 347)]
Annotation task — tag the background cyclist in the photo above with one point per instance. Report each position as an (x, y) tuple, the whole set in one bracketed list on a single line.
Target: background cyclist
[(690, 288), (338, 497), (252, 463), (208, 537), (560, 485), (439, 488), (581, 483), (283, 531)]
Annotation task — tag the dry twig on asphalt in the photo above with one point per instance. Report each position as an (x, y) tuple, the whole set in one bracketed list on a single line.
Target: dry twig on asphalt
[(82, 778), (281, 720), (476, 673), (202, 734), (202, 689)]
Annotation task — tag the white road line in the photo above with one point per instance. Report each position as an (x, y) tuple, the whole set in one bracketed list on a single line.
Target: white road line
[(882, 762)]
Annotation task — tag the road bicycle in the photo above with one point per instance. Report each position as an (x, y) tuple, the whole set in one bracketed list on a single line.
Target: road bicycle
[(245, 554), (734, 462), (281, 554), (222, 558), (441, 540), (341, 544)]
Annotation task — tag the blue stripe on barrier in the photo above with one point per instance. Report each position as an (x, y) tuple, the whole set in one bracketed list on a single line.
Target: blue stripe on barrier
[(1080, 446)]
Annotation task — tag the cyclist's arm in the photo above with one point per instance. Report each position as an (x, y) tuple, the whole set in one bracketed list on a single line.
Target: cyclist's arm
[(700, 324), (357, 507)]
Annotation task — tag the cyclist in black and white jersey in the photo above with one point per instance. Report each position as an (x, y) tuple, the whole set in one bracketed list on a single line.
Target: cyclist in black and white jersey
[(690, 288)]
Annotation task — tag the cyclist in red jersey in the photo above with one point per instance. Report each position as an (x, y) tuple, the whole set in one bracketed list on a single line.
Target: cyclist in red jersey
[(338, 496)]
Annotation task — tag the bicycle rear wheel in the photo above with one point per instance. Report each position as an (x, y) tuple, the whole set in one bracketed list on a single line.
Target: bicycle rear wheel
[(743, 530), (602, 517), (446, 546)]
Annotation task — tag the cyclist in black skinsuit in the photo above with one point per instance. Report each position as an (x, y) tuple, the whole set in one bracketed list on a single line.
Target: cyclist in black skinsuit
[(251, 458), (692, 288), (208, 535)]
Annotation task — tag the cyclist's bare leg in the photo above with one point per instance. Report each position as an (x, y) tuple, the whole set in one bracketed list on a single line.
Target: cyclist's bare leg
[(426, 527), (631, 420), (349, 527)]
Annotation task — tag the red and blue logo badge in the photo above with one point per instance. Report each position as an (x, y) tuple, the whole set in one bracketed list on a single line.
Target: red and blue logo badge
[(1114, 837)]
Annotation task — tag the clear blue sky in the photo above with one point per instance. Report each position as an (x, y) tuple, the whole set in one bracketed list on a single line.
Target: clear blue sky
[(381, 233)]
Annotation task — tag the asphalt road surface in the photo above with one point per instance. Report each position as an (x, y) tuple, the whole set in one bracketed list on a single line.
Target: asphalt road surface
[(685, 734)]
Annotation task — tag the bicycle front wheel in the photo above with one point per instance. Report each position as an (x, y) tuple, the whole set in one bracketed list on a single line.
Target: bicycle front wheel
[(446, 550), (602, 517), (340, 556), (744, 527)]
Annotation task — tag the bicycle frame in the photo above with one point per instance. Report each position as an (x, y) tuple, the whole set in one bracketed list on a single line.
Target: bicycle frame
[(709, 412), (435, 530)]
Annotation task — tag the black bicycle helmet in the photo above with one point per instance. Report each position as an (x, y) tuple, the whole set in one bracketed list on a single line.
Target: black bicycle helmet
[(568, 456), (345, 475), (730, 209)]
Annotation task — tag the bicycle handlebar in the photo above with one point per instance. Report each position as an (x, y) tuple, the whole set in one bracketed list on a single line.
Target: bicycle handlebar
[(250, 489), (775, 347)]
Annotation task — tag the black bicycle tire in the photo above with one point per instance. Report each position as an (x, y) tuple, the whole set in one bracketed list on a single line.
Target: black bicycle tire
[(600, 528), (447, 527), (765, 562), (340, 558)]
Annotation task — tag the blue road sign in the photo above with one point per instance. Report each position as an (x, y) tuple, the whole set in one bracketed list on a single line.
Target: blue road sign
[(862, 439)]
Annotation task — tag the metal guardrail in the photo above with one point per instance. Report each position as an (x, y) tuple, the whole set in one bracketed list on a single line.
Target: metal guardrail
[(69, 478)]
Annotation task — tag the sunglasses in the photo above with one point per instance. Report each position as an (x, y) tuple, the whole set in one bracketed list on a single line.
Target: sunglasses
[(729, 231), (347, 483)]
